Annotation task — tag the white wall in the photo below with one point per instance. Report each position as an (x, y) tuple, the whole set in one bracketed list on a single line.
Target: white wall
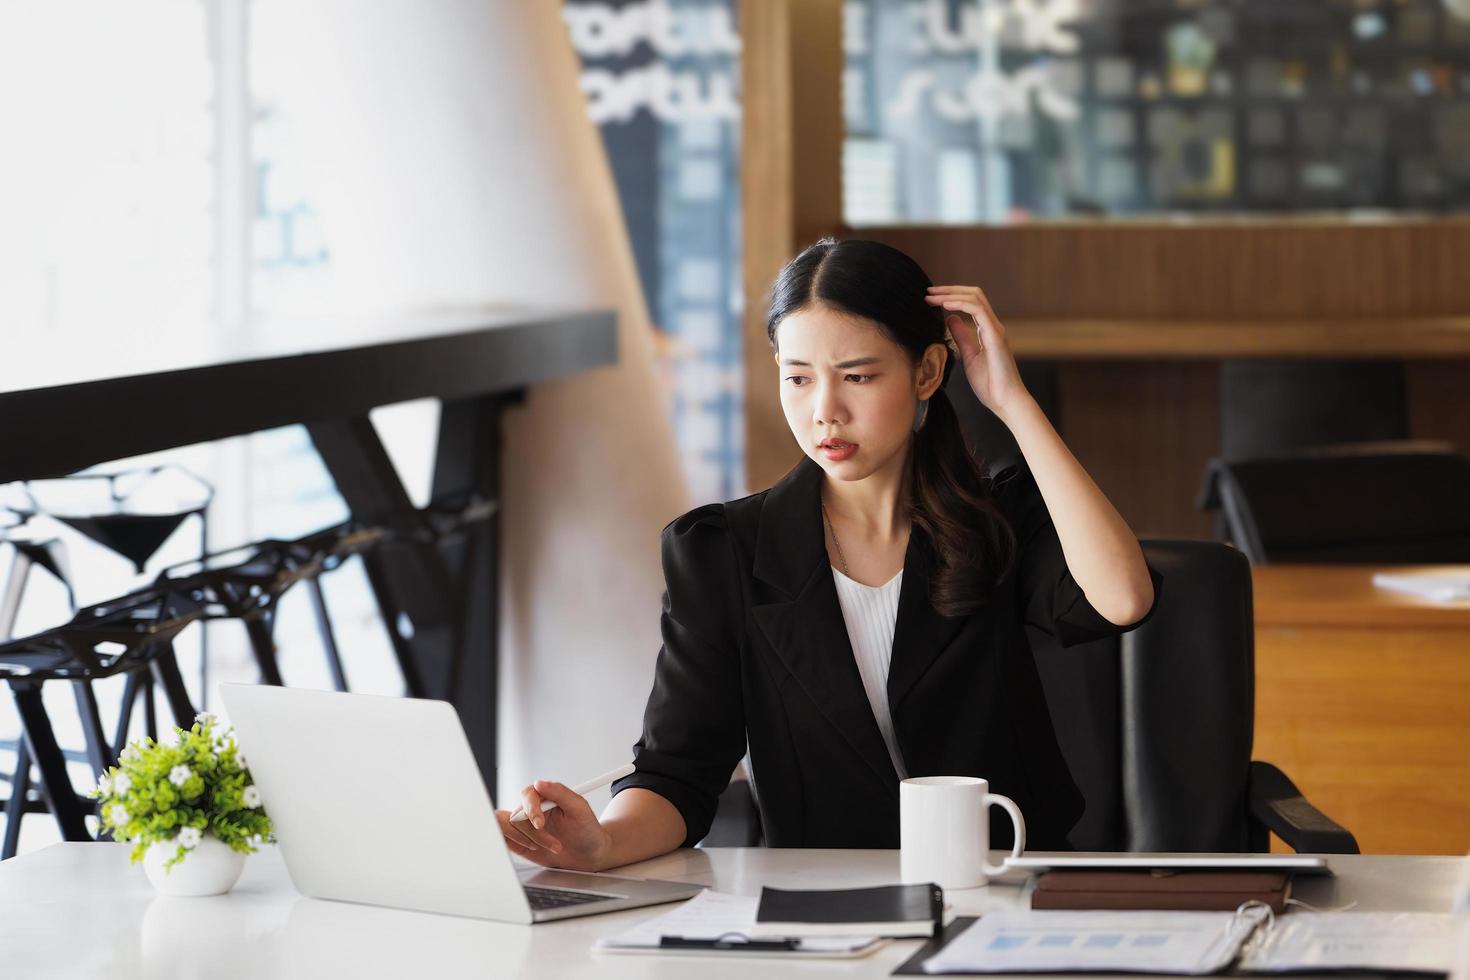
[(447, 155)]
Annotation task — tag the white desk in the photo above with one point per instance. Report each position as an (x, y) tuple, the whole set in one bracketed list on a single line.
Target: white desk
[(80, 910)]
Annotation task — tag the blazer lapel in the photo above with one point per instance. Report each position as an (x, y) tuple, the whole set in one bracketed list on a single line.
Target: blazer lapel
[(806, 629), (921, 634)]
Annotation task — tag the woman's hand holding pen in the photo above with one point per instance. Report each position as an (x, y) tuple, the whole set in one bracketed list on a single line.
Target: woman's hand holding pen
[(569, 836), (981, 339)]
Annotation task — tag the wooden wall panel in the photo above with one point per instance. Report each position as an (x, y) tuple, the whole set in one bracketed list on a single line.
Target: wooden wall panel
[(1144, 433), (1144, 430), (791, 161), (1218, 270)]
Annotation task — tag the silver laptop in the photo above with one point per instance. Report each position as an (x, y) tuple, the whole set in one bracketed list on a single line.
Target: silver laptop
[(378, 800)]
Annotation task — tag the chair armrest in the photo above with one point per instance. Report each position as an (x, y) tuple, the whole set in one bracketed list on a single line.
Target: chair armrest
[(1276, 803)]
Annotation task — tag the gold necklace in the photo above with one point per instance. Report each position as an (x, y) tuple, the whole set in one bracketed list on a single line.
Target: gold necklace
[(833, 531)]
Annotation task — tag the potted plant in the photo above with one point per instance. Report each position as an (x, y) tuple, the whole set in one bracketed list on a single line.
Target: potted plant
[(191, 809)]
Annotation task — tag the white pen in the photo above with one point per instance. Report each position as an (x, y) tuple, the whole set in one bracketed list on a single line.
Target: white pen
[(582, 789)]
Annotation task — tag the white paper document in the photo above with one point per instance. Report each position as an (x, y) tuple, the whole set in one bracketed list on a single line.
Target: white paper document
[(1021, 940), (1439, 586), (1415, 941), (712, 916)]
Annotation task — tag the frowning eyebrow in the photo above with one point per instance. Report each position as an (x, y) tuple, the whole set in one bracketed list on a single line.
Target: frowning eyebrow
[(841, 365)]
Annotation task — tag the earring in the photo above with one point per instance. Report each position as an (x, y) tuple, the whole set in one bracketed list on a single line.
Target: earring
[(920, 414)]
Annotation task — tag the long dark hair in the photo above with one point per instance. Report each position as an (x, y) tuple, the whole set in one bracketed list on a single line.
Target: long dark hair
[(950, 500)]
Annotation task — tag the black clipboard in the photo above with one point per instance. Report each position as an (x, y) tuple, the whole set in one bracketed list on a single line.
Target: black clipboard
[(914, 965)]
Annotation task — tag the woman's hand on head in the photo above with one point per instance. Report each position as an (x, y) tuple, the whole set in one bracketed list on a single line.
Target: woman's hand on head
[(985, 356), (569, 836)]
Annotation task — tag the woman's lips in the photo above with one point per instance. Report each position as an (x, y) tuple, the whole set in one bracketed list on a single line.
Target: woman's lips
[(836, 450)]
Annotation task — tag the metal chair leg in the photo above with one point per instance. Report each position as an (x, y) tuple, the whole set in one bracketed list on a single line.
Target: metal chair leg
[(204, 626), (263, 645), (15, 807), (388, 609), (166, 672), (125, 713), (56, 786), (329, 639), (15, 586), (150, 709), (99, 753)]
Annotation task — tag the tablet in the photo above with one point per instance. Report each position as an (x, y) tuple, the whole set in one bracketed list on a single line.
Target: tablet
[(1295, 863)]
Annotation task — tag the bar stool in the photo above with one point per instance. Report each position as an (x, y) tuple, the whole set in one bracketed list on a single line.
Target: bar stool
[(28, 551), (31, 550), (130, 513), (132, 636), (247, 584)]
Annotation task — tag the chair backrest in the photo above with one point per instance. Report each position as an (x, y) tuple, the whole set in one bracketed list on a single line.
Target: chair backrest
[(1156, 725), (1269, 406), (1372, 503)]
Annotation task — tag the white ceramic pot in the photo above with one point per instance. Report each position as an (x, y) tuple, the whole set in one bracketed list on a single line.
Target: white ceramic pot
[(210, 868)]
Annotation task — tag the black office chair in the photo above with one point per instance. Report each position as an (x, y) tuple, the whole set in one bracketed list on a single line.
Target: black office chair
[(1402, 503), (1156, 726)]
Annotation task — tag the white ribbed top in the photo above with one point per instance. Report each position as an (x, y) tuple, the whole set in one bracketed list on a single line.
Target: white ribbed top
[(870, 612)]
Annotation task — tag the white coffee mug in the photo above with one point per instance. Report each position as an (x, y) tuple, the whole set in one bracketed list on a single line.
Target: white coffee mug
[(944, 830)]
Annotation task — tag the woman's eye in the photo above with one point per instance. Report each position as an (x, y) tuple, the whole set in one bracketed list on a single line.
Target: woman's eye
[(797, 380), (860, 378)]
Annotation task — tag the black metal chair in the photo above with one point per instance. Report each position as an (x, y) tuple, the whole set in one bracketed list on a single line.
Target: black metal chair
[(1401, 502), (31, 551), (130, 512), (132, 636), (1156, 726), (247, 584), (27, 553)]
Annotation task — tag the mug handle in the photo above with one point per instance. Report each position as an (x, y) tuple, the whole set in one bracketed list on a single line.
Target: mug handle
[(1017, 821)]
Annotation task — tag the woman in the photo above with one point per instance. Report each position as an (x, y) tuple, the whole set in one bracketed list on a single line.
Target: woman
[(862, 621)]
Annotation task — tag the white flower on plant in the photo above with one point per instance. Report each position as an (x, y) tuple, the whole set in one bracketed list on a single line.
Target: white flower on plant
[(121, 784), (206, 718), (104, 784), (252, 797), (118, 813), (189, 837), (130, 754), (240, 759), (179, 775)]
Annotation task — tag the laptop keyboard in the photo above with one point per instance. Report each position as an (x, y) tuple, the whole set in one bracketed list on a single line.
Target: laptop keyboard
[(542, 899)]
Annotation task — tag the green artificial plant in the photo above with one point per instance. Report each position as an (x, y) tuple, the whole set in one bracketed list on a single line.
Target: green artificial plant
[(179, 792)]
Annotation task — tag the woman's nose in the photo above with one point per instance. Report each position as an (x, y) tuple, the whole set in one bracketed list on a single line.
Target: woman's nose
[(828, 407)]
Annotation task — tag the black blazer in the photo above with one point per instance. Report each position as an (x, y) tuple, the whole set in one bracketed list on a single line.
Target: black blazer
[(756, 655)]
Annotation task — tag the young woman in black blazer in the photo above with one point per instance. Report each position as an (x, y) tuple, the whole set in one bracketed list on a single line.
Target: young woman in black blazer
[(756, 653)]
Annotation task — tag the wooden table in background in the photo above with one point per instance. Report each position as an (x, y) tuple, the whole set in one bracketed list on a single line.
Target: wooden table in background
[(1363, 698)]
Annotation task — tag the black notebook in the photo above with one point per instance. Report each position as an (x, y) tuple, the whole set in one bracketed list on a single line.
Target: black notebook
[(899, 911)]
